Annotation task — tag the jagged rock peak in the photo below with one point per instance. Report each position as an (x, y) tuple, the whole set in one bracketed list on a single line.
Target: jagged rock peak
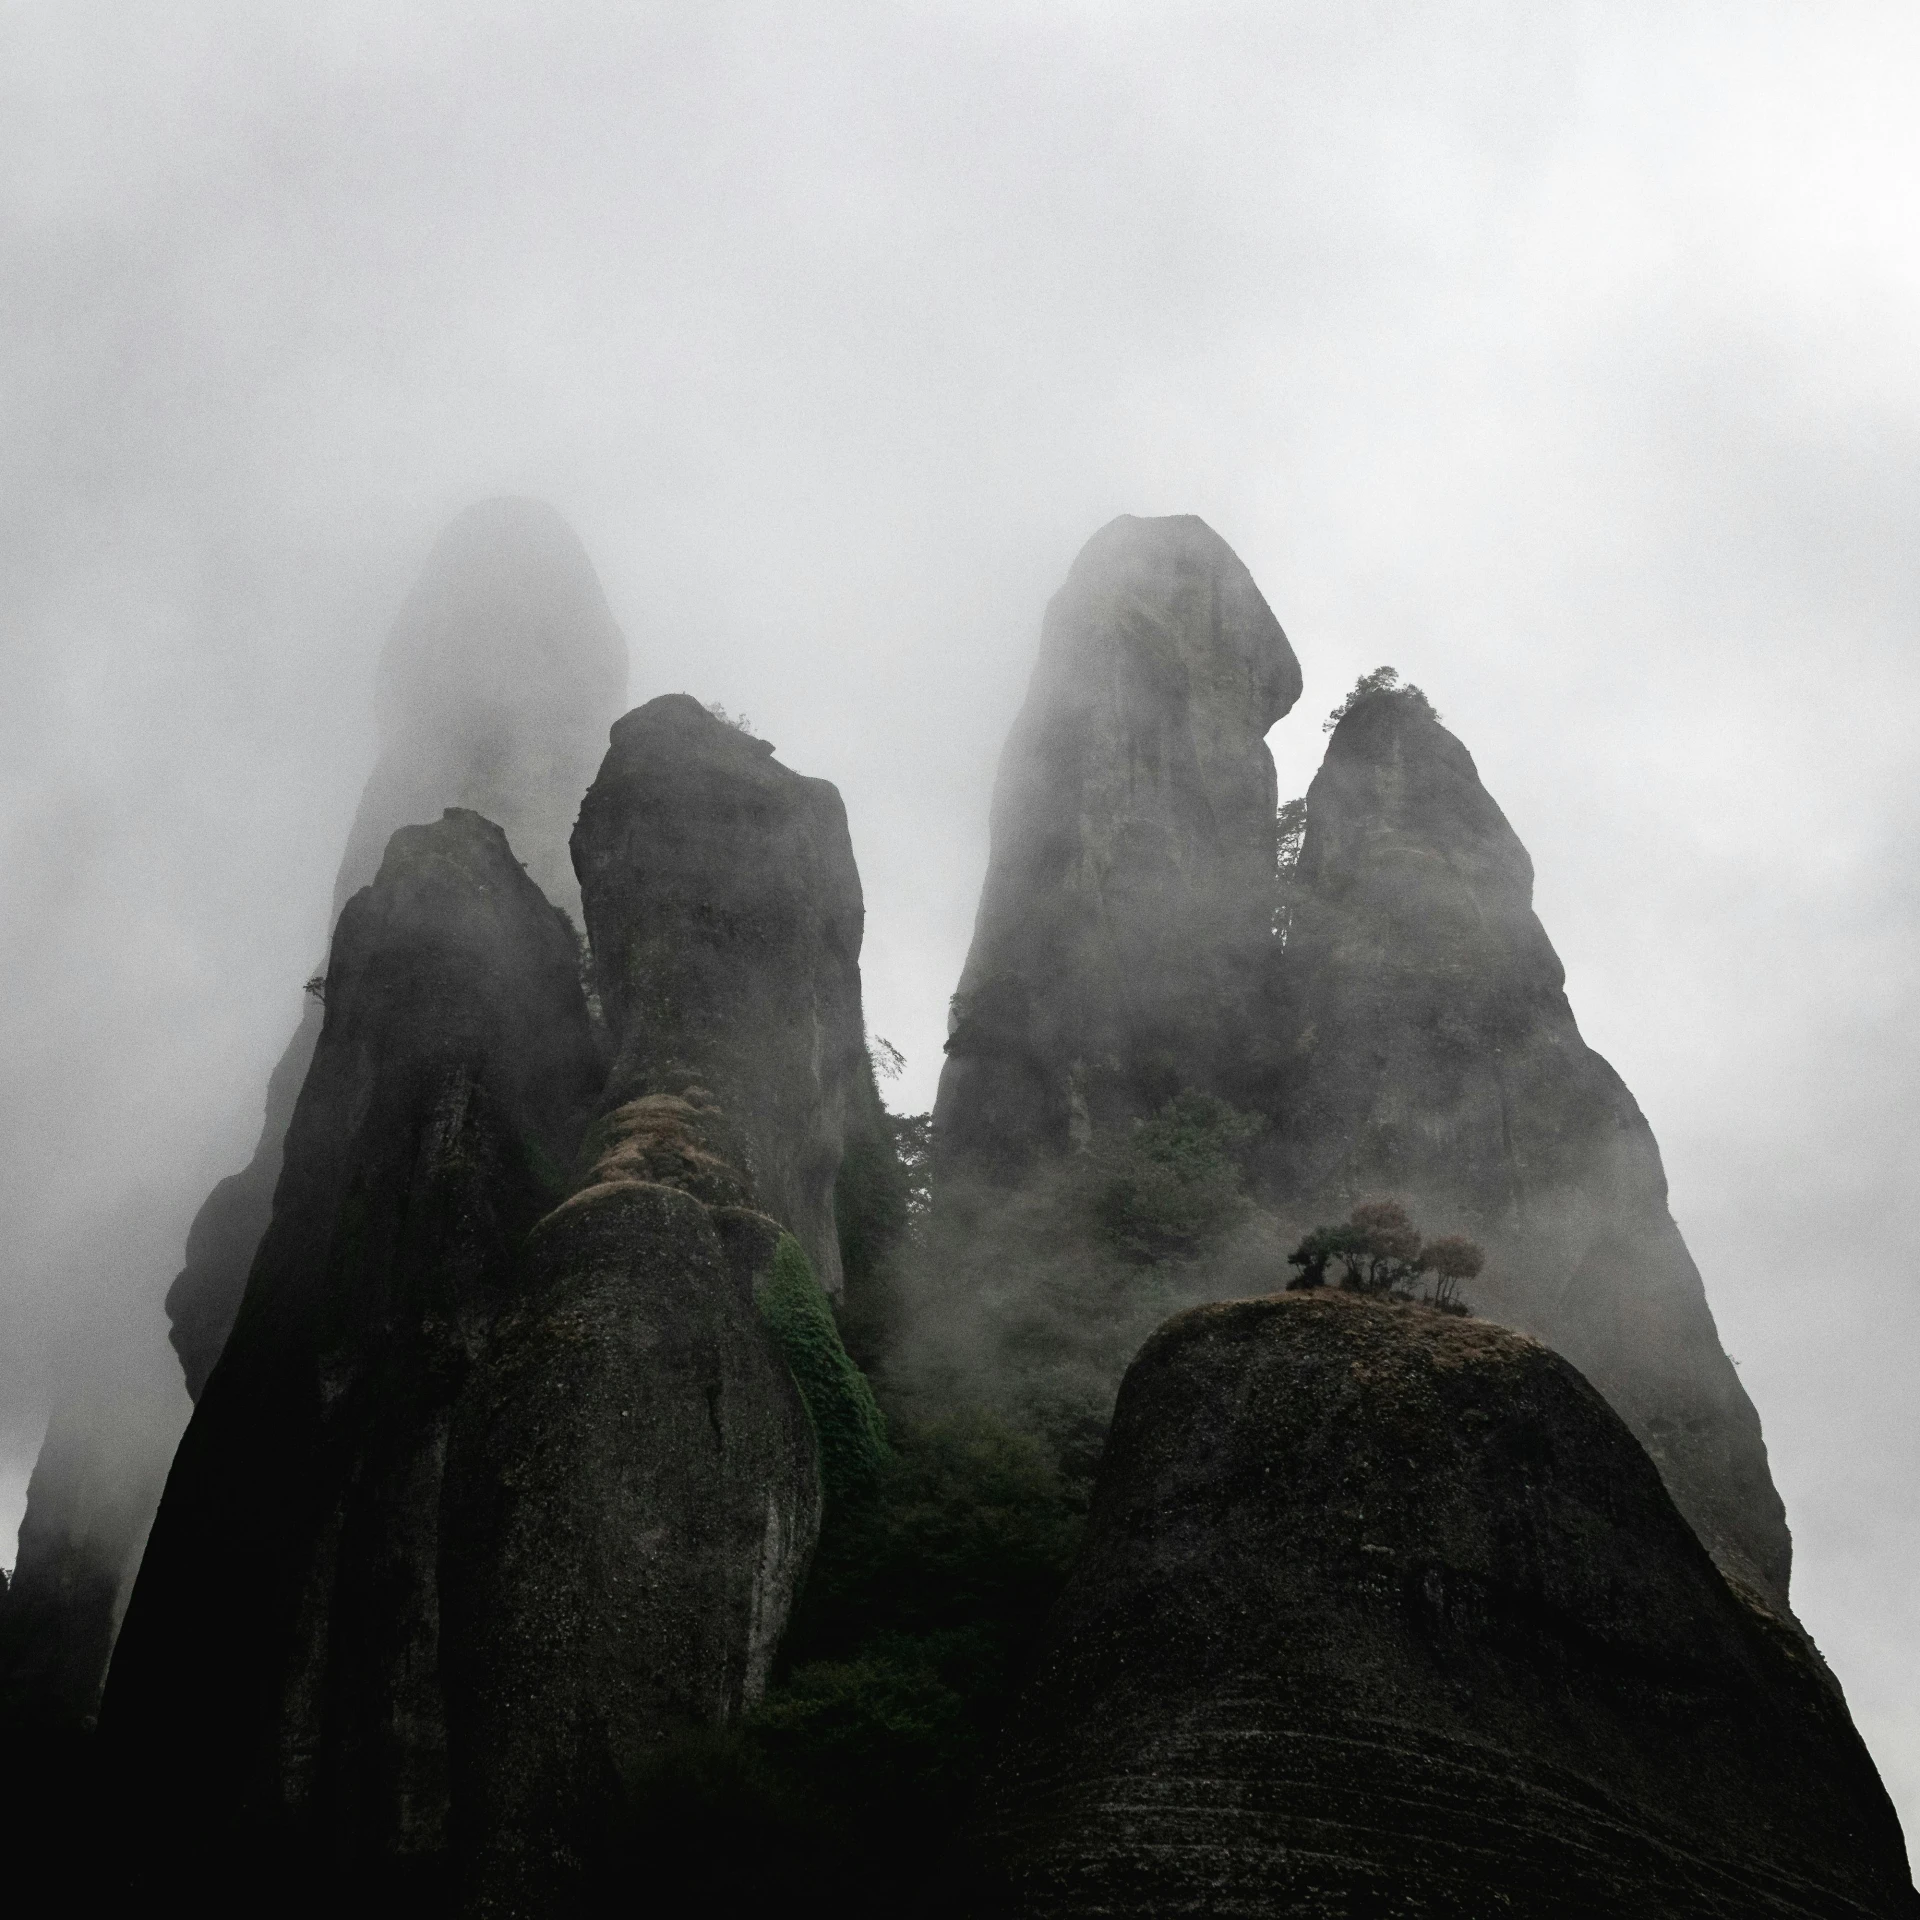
[(1130, 888), (1423, 1047), (277, 1681), (725, 915), (1382, 1611), (503, 668)]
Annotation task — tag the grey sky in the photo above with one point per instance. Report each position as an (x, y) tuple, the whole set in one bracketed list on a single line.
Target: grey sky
[(1562, 357)]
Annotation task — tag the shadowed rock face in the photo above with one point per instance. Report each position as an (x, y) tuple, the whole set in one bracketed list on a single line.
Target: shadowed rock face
[(725, 914), (1130, 889), (1425, 1049), (632, 1497), (502, 671), (1383, 1612), (277, 1679)]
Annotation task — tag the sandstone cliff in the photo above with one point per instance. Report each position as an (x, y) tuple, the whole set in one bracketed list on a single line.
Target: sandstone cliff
[(1384, 1612), (725, 916), (632, 1496), (276, 1683), (1423, 1047), (1130, 888)]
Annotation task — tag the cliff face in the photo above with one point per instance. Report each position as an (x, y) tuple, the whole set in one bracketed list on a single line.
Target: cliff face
[(1382, 1611), (632, 1497), (725, 914), (1130, 888), (1424, 1048), (495, 689), (277, 1679)]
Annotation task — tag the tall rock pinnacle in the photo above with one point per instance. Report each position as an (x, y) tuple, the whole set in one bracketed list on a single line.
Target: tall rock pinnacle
[(277, 1679), (1130, 889), (725, 913), (495, 690), (1425, 1049)]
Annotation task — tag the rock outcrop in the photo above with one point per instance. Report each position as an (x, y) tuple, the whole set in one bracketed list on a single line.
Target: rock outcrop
[(632, 1496), (1130, 889), (1386, 1612), (725, 916), (1422, 1046), (276, 1684), (495, 688)]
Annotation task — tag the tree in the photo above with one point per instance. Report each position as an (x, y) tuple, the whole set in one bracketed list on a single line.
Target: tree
[(1451, 1260), (1382, 680), (1381, 1254)]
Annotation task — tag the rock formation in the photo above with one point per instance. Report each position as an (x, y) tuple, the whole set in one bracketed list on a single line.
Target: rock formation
[(1385, 1612), (1422, 1046), (496, 685), (632, 1496), (276, 1683), (502, 672), (725, 916), (1130, 888)]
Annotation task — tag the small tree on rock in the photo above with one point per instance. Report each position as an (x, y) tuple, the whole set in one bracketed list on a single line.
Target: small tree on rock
[(1381, 1254)]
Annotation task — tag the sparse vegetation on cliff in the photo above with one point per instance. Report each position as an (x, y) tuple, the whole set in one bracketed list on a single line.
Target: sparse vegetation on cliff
[(1381, 1253)]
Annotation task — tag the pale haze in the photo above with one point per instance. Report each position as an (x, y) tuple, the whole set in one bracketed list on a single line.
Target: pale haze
[(1561, 357)]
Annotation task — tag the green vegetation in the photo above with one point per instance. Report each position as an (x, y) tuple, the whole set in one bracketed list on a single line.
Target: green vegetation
[(846, 1417), (1381, 1253), (1174, 1185), (1382, 680), (856, 1771)]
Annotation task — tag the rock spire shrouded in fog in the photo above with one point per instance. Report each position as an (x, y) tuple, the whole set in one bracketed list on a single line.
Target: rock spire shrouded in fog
[(1130, 888), (725, 914), (277, 1681), (495, 690), (1424, 1048), (1383, 1611)]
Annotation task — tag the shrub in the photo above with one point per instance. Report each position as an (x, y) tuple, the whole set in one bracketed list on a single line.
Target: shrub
[(846, 1417)]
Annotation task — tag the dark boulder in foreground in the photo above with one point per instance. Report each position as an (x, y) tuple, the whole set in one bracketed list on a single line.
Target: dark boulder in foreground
[(726, 917), (1130, 890), (276, 1685), (1425, 1048), (632, 1497), (1385, 1612)]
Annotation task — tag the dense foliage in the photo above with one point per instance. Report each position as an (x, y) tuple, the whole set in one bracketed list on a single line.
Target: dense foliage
[(1382, 680), (846, 1418)]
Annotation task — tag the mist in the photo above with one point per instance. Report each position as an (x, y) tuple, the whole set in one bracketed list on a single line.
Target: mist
[(1562, 360)]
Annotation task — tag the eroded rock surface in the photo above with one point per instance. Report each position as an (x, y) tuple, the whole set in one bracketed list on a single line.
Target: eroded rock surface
[(1130, 890), (1383, 1612), (1424, 1048), (632, 1496), (725, 915), (495, 689), (277, 1681)]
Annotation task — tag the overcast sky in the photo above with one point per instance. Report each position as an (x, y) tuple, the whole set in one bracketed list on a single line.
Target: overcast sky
[(1562, 357)]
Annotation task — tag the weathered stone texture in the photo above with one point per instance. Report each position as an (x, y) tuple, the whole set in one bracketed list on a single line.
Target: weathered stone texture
[(725, 915), (1383, 1612), (1130, 888), (277, 1683), (632, 1497), (1422, 1046)]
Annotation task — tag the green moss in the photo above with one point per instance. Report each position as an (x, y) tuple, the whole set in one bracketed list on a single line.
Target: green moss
[(847, 1418)]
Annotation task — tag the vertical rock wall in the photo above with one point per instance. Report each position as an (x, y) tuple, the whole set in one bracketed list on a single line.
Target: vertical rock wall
[(1130, 888), (276, 1682), (725, 915), (1424, 1048)]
